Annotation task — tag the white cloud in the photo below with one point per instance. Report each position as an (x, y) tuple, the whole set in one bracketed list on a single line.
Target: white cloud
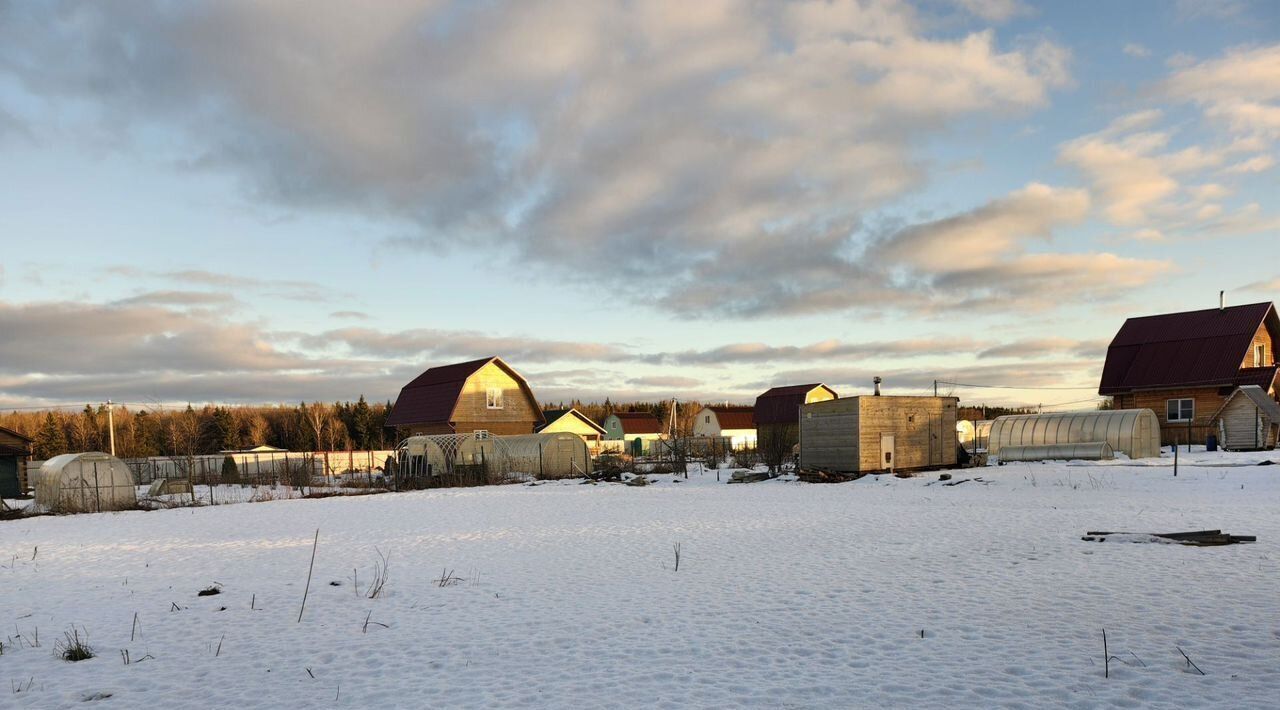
[(994, 10), (1133, 49), (1256, 164), (566, 133)]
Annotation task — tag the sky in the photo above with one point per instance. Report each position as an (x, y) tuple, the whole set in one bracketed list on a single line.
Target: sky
[(245, 202)]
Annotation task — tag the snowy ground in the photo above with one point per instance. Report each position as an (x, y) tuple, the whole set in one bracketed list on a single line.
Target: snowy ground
[(787, 595)]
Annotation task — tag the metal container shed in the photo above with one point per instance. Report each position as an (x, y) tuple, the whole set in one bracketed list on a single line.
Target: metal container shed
[(1132, 432)]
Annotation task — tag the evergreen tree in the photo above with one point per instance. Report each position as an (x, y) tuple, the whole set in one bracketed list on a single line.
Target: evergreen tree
[(230, 472), (361, 427), (51, 440)]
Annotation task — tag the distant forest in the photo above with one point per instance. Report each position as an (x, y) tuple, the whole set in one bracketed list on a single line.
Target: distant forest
[(341, 426), (190, 431)]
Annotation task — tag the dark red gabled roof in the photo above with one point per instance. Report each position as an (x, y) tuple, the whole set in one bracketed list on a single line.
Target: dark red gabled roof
[(1192, 349), (431, 397), (734, 417), (781, 405), (639, 423)]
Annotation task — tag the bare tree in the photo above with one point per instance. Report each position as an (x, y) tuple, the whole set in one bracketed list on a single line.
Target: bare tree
[(775, 443)]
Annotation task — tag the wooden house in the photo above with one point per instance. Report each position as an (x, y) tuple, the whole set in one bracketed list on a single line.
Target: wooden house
[(1184, 366), (640, 430), (777, 413), (482, 395), (872, 433), (1248, 421), (735, 423), (15, 449), (573, 421)]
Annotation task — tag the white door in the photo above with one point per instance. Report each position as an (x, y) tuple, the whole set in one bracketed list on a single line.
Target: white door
[(886, 451)]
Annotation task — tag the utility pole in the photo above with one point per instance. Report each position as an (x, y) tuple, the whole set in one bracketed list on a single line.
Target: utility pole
[(111, 428), (935, 388)]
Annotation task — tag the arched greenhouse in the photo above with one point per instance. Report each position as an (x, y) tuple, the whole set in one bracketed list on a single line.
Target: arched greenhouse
[(88, 482), (1132, 432)]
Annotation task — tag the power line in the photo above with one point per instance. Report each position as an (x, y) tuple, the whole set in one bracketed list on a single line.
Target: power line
[(1017, 387)]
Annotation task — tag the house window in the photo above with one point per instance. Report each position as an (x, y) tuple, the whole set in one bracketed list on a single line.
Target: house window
[(1180, 410), (708, 419), (493, 400), (1259, 355)]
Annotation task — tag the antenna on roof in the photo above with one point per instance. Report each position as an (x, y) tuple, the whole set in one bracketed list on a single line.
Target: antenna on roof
[(1222, 300)]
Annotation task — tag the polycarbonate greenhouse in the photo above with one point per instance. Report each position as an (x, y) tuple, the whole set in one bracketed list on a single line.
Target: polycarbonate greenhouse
[(89, 482), (494, 459), (1132, 432)]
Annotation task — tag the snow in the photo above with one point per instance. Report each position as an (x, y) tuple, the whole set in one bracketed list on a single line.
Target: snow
[(883, 592)]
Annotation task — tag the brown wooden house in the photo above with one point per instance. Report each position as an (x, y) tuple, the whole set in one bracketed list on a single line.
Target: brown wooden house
[(1184, 366), (481, 395), (15, 449)]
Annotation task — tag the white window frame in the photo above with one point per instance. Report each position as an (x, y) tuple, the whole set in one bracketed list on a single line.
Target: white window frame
[(1180, 419), (493, 398)]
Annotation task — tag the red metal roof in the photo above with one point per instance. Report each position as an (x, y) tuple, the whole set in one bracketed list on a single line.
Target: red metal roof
[(735, 417), (1196, 348), (781, 405), (431, 396), (639, 423)]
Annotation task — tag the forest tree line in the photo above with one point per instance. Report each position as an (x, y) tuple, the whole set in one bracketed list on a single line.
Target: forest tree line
[(166, 431)]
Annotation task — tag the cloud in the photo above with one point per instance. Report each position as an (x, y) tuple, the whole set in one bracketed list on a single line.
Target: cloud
[(1134, 49), (1267, 286), (66, 338), (1236, 89), (349, 315), (446, 345), (994, 10), (1256, 164), (292, 289), (1046, 373), (827, 349), (1044, 347), (669, 132), (666, 382), (177, 298)]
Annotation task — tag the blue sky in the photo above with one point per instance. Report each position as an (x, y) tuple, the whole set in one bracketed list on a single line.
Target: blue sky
[(238, 202)]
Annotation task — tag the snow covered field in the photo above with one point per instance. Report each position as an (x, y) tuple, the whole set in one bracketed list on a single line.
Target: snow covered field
[(877, 593)]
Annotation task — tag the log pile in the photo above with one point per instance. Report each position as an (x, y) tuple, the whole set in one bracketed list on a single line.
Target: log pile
[(1199, 538), (815, 476)]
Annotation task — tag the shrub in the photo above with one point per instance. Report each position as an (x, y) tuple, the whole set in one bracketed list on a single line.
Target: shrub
[(230, 472)]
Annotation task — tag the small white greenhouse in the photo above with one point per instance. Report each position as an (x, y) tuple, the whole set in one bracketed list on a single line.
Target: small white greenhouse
[(1132, 432), (89, 482)]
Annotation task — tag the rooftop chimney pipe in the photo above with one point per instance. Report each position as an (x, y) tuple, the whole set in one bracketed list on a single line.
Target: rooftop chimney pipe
[(877, 382), (1222, 300)]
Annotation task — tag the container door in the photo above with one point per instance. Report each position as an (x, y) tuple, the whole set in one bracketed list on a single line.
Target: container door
[(886, 451)]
